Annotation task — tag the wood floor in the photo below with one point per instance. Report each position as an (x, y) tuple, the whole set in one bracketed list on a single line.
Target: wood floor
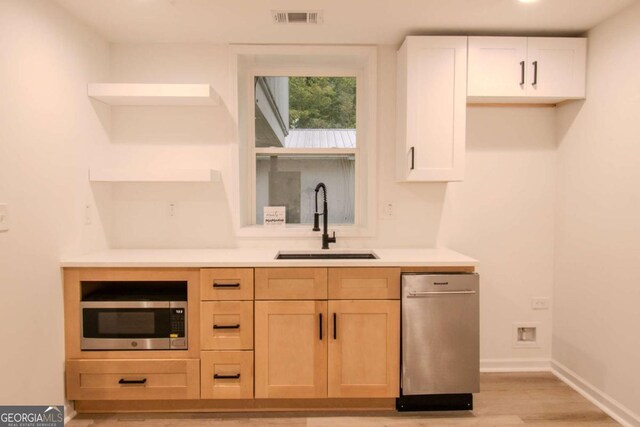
[(506, 399)]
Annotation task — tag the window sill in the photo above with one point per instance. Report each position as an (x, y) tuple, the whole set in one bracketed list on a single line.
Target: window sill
[(302, 231)]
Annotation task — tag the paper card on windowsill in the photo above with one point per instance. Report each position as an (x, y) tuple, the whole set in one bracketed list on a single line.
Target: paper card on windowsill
[(275, 216)]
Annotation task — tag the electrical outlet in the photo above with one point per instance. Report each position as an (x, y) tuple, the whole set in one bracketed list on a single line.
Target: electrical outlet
[(171, 209), (387, 210), (526, 334), (4, 217), (540, 303), (87, 214)]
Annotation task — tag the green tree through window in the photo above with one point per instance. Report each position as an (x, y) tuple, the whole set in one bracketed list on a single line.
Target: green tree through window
[(322, 102)]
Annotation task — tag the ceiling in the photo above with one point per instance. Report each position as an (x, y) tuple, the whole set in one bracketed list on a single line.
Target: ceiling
[(345, 21)]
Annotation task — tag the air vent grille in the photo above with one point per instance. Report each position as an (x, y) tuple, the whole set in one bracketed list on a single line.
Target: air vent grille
[(280, 17), (297, 17)]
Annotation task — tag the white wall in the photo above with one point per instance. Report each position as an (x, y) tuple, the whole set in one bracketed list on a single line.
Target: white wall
[(503, 215), (597, 280), (48, 128), (171, 137)]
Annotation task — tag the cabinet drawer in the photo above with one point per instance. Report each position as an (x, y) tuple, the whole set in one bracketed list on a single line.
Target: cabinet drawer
[(226, 325), (227, 374), (133, 379), (235, 284), (291, 283), (364, 283)]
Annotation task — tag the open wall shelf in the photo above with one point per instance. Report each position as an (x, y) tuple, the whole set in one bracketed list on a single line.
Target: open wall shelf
[(153, 94), (154, 175)]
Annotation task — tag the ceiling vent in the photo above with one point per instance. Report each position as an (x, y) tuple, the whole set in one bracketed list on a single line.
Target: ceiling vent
[(297, 17)]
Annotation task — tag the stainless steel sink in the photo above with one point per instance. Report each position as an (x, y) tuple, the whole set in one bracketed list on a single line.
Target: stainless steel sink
[(326, 254)]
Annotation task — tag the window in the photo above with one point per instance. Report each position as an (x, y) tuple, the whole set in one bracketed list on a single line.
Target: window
[(305, 133), (306, 115)]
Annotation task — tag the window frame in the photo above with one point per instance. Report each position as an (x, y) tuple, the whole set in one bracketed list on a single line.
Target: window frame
[(322, 61)]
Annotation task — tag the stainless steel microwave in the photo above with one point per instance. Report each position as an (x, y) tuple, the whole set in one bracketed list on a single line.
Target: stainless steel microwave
[(109, 323)]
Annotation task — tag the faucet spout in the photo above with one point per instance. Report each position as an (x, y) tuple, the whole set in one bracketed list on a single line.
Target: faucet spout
[(325, 217)]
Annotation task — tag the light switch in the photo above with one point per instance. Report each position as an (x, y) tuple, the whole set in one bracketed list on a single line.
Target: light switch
[(4, 217), (540, 303)]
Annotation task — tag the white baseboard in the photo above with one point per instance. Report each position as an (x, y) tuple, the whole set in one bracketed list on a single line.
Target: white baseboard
[(69, 411), (603, 401), (515, 365)]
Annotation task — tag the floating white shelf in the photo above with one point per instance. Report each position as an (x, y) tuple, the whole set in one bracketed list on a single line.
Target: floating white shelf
[(153, 94), (154, 175)]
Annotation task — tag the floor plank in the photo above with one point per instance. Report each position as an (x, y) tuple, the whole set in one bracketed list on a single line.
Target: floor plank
[(530, 399)]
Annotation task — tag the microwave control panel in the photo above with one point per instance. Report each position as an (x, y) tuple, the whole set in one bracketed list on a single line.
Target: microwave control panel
[(178, 328)]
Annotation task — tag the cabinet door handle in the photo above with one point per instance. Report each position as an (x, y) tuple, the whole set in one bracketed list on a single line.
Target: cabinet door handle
[(320, 326), (335, 326), (413, 157), (226, 285), (521, 73), (237, 326), (535, 73), (123, 381), (226, 377)]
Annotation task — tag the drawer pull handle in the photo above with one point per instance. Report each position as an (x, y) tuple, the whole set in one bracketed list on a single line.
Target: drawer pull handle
[(226, 326), (123, 381), (226, 377), (226, 285)]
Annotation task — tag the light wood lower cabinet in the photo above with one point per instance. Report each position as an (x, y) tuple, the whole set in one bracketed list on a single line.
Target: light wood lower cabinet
[(291, 283), (226, 325), (290, 349), (307, 335), (364, 283), (133, 379), (364, 348), (355, 353), (226, 374), (226, 284)]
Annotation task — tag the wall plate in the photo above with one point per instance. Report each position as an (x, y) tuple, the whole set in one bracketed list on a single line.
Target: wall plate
[(531, 338), (540, 303)]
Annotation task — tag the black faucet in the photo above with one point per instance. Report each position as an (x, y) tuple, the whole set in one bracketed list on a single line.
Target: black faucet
[(325, 214)]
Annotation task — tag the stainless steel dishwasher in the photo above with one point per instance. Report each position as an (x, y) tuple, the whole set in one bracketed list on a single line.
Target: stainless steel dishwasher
[(440, 341)]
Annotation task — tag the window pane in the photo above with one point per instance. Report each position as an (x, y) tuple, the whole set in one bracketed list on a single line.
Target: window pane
[(290, 181), (305, 112)]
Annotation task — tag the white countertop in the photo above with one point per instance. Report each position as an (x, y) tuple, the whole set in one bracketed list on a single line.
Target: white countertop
[(414, 257)]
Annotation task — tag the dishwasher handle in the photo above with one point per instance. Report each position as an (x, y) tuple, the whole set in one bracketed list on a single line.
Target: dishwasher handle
[(419, 294)]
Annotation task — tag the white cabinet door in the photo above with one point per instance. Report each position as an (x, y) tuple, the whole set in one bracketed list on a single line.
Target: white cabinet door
[(431, 108), (556, 67), (497, 66), (521, 69)]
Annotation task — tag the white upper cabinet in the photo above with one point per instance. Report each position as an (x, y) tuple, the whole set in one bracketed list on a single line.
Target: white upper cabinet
[(497, 66), (558, 67), (526, 69), (432, 97)]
